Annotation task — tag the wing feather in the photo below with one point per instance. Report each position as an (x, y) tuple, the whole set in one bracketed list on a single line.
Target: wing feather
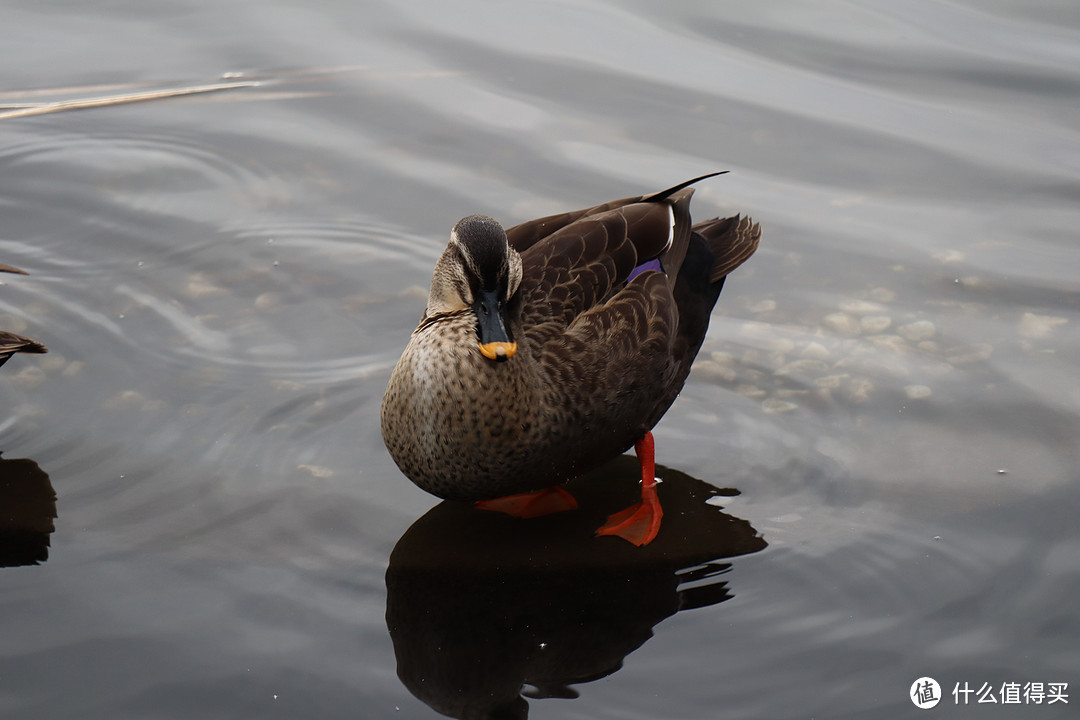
[(10, 343)]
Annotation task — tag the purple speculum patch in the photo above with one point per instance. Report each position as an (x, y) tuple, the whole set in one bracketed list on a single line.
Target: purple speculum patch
[(653, 264)]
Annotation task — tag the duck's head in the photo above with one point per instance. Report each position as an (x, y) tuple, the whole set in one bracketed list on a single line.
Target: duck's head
[(479, 272)]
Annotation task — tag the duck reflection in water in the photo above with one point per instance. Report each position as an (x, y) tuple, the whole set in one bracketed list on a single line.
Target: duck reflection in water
[(485, 609), (27, 511)]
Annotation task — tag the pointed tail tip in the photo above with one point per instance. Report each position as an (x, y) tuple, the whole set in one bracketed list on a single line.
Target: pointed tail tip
[(665, 194)]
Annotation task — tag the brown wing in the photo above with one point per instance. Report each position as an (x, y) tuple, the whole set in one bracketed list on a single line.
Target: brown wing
[(527, 234), (524, 236), (638, 322), (617, 343), (610, 367), (11, 269), (582, 264), (603, 341)]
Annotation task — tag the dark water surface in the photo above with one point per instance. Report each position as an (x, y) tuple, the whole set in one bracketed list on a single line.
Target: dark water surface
[(875, 461)]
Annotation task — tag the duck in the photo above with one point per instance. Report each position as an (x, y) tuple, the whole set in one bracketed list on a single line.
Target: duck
[(10, 343), (553, 346)]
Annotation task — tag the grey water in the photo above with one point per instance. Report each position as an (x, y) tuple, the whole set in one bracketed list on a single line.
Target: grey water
[(871, 475)]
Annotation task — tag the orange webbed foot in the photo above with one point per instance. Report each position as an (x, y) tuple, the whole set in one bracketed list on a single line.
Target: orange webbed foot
[(639, 523), (531, 505)]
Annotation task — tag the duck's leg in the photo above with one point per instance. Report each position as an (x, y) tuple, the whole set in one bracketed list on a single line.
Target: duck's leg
[(640, 522), (534, 504)]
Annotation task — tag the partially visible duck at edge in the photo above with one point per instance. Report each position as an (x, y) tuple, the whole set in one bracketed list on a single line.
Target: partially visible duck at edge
[(549, 348), (10, 343)]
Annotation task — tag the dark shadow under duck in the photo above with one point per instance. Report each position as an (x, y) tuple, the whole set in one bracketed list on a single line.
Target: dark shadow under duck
[(27, 511), (485, 611), (554, 346)]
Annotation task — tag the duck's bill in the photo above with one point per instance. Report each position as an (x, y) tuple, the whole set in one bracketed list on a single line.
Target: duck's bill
[(498, 351), (496, 342)]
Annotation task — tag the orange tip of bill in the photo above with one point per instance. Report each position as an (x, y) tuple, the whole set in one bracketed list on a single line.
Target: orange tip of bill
[(498, 350)]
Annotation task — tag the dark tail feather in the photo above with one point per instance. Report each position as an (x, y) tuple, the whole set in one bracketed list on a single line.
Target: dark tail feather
[(665, 194), (732, 241)]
